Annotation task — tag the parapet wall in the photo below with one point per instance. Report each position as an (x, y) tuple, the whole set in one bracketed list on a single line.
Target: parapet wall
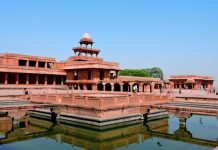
[(105, 106)]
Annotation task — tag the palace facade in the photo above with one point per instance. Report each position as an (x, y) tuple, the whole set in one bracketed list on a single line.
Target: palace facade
[(192, 82), (85, 70)]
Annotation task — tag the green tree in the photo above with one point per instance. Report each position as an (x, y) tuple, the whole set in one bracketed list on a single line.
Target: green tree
[(154, 72), (133, 72)]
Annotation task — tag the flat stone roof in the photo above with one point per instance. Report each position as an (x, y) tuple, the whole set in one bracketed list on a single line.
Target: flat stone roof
[(186, 77), (27, 56)]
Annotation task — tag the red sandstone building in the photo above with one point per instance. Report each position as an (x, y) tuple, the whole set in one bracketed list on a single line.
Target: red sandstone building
[(192, 82), (83, 71)]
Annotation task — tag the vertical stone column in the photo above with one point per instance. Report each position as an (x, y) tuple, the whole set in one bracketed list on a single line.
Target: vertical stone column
[(37, 64), (46, 79), (121, 87), (27, 63), (94, 87), (54, 79), (130, 87), (6, 78), (152, 87), (112, 87), (84, 87), (162, 88), (103, 87), (37, 79), (141, 87), (27, 78), (17, 78), (54, 65), (62, 80)]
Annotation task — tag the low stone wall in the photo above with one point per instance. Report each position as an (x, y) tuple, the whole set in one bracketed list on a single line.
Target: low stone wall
[(102, 106)]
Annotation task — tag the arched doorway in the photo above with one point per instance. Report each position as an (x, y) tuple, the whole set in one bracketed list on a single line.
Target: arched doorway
[(100, 87), (136, 85), (89, 87), (81, 87), (108, 87), (116, 87), (126, 87), (75, 87), (158, 87), (146, 88)]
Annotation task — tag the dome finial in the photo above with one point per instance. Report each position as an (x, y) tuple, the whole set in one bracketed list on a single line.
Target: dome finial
[(86, 35), (86, 39)]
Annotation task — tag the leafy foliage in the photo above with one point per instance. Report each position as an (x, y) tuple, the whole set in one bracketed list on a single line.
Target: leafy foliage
[(154, 72)]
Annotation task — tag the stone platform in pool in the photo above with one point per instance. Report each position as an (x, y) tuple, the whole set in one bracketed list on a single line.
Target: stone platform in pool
[(97, 122), (99, 110)]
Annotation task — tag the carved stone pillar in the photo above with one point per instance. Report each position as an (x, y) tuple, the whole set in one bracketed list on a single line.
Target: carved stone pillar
[(152, 87), (62, 80), (130, 87), (6, 78), (103, 87), (84, 87), (54, 79), (17, 78), (121, 87), (27, 78), (37, 79), (46, 79), (141, 87)]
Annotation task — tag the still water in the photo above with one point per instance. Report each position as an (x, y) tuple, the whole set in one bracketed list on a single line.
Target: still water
[(200, 133)]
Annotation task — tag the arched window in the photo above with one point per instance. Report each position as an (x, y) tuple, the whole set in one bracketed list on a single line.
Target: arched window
[(108, 87), (126, 87), (100, 87), (116, 87)]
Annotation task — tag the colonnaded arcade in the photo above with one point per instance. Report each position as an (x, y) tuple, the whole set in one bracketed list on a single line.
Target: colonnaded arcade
[(83, 71)]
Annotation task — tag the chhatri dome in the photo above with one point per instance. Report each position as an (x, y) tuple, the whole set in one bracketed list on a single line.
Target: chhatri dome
[(87, 49), (86, 39)]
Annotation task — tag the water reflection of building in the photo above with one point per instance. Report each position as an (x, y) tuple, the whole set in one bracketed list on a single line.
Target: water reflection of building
[(5, 124), (111, 138)]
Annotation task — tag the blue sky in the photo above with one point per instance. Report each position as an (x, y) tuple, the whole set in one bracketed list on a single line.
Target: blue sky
[(179, 36)]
